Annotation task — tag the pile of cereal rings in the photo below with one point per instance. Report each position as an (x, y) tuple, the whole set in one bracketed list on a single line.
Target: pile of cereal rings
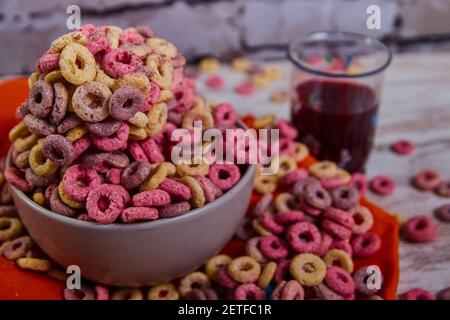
[(94, 141)]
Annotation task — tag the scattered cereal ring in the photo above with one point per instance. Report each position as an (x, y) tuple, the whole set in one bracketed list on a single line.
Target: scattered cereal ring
[(308, 269), (403, 147), (303, 237), (362, 218), (359, 181), (34, 264), (382, 185), (267, 221), (248, 291), (214, 264), (427, 180), (244, 269), (245, 89), (267, 275), (215, 82), (273, 247), (17, 248), (252, 248), (417, 294), (444, 190), (163, 291), (365, 245), (209, 65), (443, 212), (339, 280), (339, 257), (420, 229)]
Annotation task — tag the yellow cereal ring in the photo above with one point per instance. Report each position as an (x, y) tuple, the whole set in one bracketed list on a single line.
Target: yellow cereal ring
[(301, 152), (161, 71), (280, 96), (163, 291), (345, 176), (76, 133), (260, 229), (265, 183), (136, 133), (206, 119), (58, 274), (33, 78), (102, 77), (192, 169), (10, 228), (308, 269), (287, 164), (24, 144), (162, 47), (77, 64), (157, 175), (39, 164), (267, 275), (60, 43), (264, 121), (323, 169), (67, 200), (164, 96), (241, 64), (21, 161), (137, 80), (273, 73), (34, 264), (334, 256), (193, 280), (54, 76), (260, 81), (113, 35), (285, 202), (39, 198), (199, 103), (198, 196), (127, 294), (140, 120), (244, 269), (214, 264), (157, 118), (209, 65), (19, 131)]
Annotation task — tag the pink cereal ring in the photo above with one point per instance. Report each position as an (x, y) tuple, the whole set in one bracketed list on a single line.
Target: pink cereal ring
[(78, 181), (225, 176), (245, 89), (152, 97), (287, 130), (88, 29), (417, 294), (151, 198), (101, 292), (117, 141), (136, 151), (48, 62), (152, 150), (273, 247), (287, 146), (119, 62), (290, 178), (131, 37), (176, 190), (339, 216), (428, 180), (133, 214), (210, 190), (365, 245), (304, 237), (215, 82), (104, 204), (249, 291), (99, 46), (339, 280), (336, 230), (225, 280), (363, 219), (289, 217), (114, 175), (403, 147), (382, 185), (263, 204), (420, 229), (282, 272), (343, 245), (224, 114), (16, 178), (359, 181), (325, 244), (267, 222), (174, 209), (290, 290)]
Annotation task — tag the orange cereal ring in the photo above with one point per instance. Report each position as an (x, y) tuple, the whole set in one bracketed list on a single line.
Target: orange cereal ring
[(77, 64), (244, 269), (301, 151), (264, 121), (308, 269)]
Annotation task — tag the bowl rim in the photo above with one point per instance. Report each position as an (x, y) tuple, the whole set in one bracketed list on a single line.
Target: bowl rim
[(198, 212)]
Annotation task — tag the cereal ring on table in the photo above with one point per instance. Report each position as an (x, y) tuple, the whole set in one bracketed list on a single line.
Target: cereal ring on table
[(38, 181), (174, 210), (444, 294), (125, 102), (303, 237), (324, 293), (135, 80), (39, 163), (75, 37), (58, 149), (224, 114), (285, 202), (361, 278), (135, 174), (427, 180), (362, 218), (259, 81), (38, 126), (157, 176), (39, 198), (214, 264), (267, 221), (34, 264), (365, 245), (252, 248), (139, 119), (262, 205), (323, 169), (157, 118), (286, 164), (10, 228), (417, 294), (316, 196), (265, 183), (192, 169), (273, 247), (308, 269), (18, 248), (444, 190), (163, 291), (273, 73), (224, 176), (244, 269), (69, 122), (192, 116), (90, 101), (241, 64), (41, 99), (151, 198), (68, 200), (359, 181), (403, 147), (127, 294), (210, 190), (248, 291), (280, 96), (339, 216), (267, 275), (60, 104), (420, 229), (16, 178), (339, 280), (161, 71), (339, 257), (103, 78), (443, 212), (95, 203), (133, 214), (256, 225), (209, 65), (119, 62), (193, 280), (382, 185), (290, 290), (116, 141), (198, 196), (162, 47), (74, 72), (215, 82), (345, 197)]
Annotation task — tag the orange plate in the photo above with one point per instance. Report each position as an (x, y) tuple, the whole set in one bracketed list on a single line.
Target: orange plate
[(18, 284)]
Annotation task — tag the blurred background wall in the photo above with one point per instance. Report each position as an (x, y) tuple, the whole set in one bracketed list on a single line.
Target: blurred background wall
[(224, 28)]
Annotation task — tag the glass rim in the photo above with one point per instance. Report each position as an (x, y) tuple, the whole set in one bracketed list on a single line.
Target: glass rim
[(295, 61)]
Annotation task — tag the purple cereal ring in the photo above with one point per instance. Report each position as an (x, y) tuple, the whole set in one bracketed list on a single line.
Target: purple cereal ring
[(339, 280), (417, 294), (58, 149), (362, 218), (443, 212), (90, 101), (210, 190), (78, 181), (41, 99), (84, 293), (104, 204), (18, 248), (174, 209), (304, 237), (267, 221), (245, 230), (117, 141), (316, 196), (339, 216), (309, 210), (151, 198), (444, 190), (382, 185), (345, 197), (152, 151), (58, 206), (224, 114), (428, 180), (359, 181), (22, 110), (16, 178), (176, 190), (114, 176), (292, 177), (174, 117), (38, 181), (104, 128), (273, 248), (68, 123), (299, 187), (336, 230), (225, 280), (289, 217), (365, 245), (225, 176), (324, 293), (60, 104), (249, 291), (119, 62), (135, 174), (136, 151), (262, 205), (38, 126), (125, 102), (361, 276), (133, 214), (420, 229), (48, 62), (117, 159)]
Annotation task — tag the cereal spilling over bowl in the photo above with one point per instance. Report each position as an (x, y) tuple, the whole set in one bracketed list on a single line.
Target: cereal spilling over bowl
[(94, 141)]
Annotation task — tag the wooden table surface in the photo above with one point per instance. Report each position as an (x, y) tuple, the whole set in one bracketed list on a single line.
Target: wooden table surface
[(416, 106)]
